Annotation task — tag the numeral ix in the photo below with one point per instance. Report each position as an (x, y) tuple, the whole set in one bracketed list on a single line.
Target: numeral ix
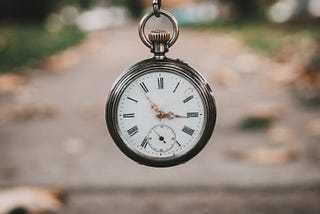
[(131, 115)]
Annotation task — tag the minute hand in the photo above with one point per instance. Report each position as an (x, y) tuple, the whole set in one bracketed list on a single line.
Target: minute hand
[(160, 114), (154, 106)]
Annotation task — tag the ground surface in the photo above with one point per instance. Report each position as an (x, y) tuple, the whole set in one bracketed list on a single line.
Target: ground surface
[(64, 142)]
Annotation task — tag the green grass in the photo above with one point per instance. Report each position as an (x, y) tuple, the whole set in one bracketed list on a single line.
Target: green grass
[(267, 38), (25, 45), (255, 123)]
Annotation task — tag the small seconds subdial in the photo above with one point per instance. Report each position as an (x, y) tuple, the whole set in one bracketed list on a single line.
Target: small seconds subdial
[(161, 138)]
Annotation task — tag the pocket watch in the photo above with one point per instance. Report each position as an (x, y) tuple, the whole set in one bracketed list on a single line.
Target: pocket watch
[(160, 112)]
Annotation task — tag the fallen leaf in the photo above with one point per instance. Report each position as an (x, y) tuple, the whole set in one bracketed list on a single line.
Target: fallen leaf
[(9, 82), (267, 155), (282, 75), (281, 134), (286, 54), (307, 83), (314, 128), (25, 113), (63, 61), (225, 77), (31, 200), (247, 63)]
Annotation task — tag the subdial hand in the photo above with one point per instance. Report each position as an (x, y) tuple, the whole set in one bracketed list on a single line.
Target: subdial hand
[(161, 138)]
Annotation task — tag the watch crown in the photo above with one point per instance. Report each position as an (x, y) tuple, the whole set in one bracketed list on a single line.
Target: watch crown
[(159, 36)]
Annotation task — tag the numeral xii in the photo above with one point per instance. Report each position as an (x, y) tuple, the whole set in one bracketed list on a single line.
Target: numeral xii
[(160, 83)]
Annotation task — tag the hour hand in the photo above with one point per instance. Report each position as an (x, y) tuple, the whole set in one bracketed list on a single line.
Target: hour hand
[(171, 116)]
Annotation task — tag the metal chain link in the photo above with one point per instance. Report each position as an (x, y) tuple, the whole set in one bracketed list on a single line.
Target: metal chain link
[(157, 7)]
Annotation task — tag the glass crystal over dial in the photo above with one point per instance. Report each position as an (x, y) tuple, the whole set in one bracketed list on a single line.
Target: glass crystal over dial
[(161, 115)]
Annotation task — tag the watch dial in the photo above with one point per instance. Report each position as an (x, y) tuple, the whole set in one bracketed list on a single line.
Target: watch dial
[(161, 115)]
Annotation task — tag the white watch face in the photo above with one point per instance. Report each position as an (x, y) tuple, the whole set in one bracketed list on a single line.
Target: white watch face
[(161, 115)]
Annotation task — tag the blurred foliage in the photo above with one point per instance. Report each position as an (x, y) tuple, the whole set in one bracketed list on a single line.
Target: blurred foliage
[(248, 9), (255, 123), (27, 44), (244, 9), (83, 4), (135, 7), (268, 38)]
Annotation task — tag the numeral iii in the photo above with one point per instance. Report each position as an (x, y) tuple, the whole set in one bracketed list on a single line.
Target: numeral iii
[(192, 114)]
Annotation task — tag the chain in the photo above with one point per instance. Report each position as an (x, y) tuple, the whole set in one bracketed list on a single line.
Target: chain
[(156, 7)]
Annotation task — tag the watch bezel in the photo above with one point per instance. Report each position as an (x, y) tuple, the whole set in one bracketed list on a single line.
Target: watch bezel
[(167, 65)]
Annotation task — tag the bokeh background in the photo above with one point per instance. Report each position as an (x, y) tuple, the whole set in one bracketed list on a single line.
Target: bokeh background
[(58, 60)]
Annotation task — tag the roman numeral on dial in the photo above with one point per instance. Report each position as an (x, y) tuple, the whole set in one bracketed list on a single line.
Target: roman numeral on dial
[(160, 83), (178, 143), (188, 99), (175, 89), (144, 142), (192, 114), (129, 98), (134, 130), (188, 130), (131, 115), (144, 87)]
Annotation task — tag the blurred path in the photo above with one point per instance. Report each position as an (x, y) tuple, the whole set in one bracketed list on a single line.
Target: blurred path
[(195, 203), (72, 148)]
